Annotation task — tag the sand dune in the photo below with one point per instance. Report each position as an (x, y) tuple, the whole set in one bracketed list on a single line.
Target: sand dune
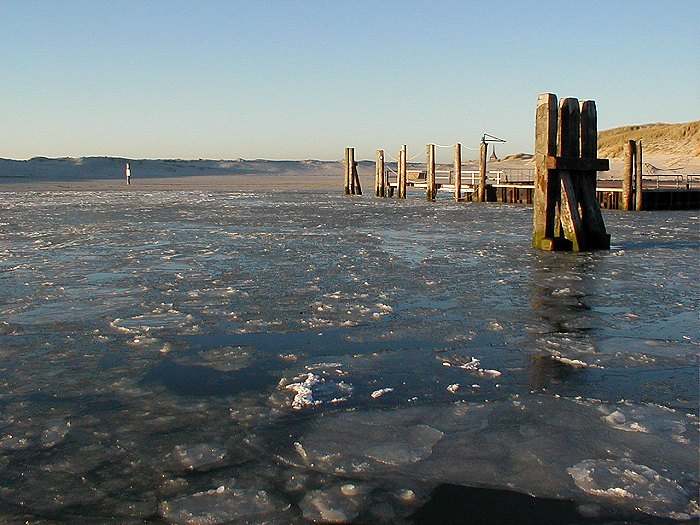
[(668, 147)]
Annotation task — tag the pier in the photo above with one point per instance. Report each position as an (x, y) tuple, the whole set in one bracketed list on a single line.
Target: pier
[(564, 187), (661, 191), (634, 190)]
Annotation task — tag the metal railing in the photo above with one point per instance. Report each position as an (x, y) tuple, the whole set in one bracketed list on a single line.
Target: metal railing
[(672, 181)]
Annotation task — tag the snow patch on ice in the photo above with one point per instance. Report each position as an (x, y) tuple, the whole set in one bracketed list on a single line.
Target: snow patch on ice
[(380, 392), (311, 389)]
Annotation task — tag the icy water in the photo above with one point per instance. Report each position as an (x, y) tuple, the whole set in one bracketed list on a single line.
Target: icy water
[(289, 358)]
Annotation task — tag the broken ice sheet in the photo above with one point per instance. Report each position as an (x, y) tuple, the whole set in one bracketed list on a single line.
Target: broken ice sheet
[(519, 443), (200, 456), (55, 433), (330, 505), (642, 486), (220, 506), (360, 440), (223, 359), (647, 418)]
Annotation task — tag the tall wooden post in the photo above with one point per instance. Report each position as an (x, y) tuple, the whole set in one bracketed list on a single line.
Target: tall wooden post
[(355, 186), (380, 180), (566, 211), (569, 146), (546, 195), (627, 176), (402, 173), (430, 188), (639, 194), (398, 174), (591, 217), (458, 172), (348, 171), (481, 196)]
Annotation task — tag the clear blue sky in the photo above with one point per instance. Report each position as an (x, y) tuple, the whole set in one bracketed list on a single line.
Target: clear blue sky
[(304, 79)]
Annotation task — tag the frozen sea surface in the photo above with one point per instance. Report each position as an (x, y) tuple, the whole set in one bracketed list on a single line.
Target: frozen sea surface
[(290, 358)]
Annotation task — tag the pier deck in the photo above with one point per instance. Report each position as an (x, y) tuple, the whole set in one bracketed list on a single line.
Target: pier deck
[(516, 186)]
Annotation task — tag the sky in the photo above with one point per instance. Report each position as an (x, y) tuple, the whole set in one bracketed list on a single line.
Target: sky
[(304, 79)]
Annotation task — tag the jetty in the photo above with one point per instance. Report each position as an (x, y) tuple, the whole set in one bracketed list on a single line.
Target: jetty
[(635, 190)]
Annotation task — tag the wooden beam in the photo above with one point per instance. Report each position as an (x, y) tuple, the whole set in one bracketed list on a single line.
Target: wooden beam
[(570, 218), (577, 164)]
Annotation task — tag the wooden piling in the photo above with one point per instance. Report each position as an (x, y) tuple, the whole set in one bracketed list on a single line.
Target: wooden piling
[(591, 217), (402, 173), (430, 188), (458, 172), (546, 197), (627, 176), (569, 146), (347, 171), (481, 194), (566, 211), (638, 192), (356, 188), (380, 180)]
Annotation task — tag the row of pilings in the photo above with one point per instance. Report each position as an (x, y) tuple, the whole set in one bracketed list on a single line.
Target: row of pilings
[(383, 188)]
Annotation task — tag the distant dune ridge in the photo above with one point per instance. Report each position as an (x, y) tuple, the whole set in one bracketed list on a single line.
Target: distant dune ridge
[(674, 140), (666, 147)]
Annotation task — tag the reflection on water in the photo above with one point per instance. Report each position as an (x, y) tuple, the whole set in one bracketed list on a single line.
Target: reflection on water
[(297, 357)]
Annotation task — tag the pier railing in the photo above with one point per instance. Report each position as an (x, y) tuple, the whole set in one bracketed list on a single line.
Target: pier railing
[(673, 180)]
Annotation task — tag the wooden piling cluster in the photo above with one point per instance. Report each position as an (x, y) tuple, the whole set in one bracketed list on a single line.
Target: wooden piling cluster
[(352, 179), (632, 194), (382, 187), (566, 211)]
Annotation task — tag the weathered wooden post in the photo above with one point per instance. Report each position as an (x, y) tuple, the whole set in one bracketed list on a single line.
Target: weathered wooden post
[(430, 188), (348, 171), (398, 176), (546, 195), (638, 195), (402, 173), (357, 189), (458, 172), (593, 225), (628, 176), (481, 195), (566, 212), (380, 180)]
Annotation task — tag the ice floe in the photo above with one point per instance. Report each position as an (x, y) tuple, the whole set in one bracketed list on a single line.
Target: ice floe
[(220, 506), (643, 487)]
